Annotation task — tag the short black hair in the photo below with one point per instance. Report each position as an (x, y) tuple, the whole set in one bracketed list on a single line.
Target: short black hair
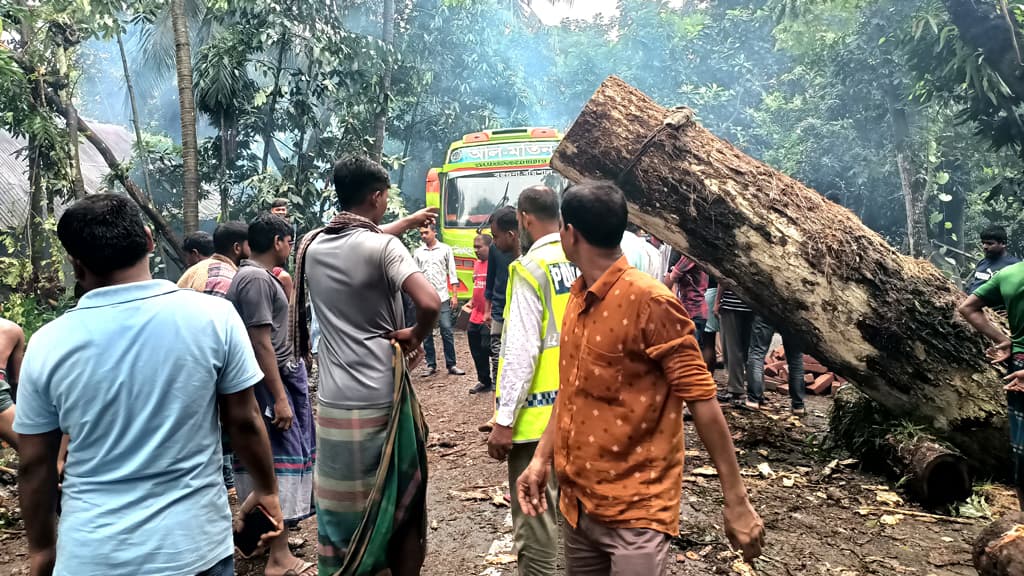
[(264, 229), (597, 209), (227, 234), (279, 202), (201, 242), (540, 202), (486, 238), (994, 234), (104, 232), (504, 219), (356, 177)]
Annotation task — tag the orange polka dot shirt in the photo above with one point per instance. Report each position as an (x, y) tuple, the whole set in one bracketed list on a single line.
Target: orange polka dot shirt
[(628, 361)]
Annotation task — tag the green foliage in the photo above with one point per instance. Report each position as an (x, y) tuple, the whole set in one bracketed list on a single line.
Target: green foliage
[(32, 299)]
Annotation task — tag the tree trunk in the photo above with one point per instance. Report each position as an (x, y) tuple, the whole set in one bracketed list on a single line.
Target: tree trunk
[(268, 123), (911, 181), (886, 322), (63, 70), (380, 121), (140, 147), (38, 246), (224, 187), (186, 101)]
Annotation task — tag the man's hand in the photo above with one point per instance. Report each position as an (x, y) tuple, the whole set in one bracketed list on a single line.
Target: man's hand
[(271, 504), (454, 301), (407, 340), (424, 217), (531, 486), (283, 414), (40, 562), (1001, 352), (499, 443), (744, 529), (1015, 382)]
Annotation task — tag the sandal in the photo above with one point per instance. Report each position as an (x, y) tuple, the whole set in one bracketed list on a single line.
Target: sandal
[(305, 568)]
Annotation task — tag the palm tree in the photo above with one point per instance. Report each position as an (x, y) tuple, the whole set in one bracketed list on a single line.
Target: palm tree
[(186, 101)]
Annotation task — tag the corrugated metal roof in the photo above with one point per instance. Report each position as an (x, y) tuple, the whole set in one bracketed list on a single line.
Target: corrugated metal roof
[(14, 193)]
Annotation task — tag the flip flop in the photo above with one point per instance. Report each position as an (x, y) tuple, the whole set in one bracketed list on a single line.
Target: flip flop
[(304, 571)]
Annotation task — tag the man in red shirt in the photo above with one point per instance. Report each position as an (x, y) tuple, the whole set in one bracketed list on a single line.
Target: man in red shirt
[(479, 332)]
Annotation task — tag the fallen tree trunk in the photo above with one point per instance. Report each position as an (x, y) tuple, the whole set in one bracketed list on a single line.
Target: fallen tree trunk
[(886, 322)]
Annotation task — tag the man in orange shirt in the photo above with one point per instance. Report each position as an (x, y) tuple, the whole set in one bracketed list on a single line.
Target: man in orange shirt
[(629, 361)]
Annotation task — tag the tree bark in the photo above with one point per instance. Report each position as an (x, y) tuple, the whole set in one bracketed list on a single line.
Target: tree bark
[(63, 70), (380, 121), (186, 101), (140, 147), (886, 322), (38, 248)]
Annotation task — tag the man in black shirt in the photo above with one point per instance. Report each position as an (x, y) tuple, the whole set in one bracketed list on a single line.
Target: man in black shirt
[(993, 242), (504, 250)]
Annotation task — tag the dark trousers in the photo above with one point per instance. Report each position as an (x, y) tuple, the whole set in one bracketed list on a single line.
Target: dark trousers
[(760, 340), (447, 338), (736, 327), (479, 336), (226, 567), (496, 328)]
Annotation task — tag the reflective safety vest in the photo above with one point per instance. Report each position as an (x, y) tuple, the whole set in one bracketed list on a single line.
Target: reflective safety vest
[(551, 275)]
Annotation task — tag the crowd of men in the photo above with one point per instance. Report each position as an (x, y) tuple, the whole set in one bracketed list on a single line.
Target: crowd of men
[(139, 406)]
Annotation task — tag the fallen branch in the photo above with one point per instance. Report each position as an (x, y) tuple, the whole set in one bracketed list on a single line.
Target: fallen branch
[(864, 510)]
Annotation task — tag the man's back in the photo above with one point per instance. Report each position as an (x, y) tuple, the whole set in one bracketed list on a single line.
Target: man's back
[(355, 279), (132, 375)]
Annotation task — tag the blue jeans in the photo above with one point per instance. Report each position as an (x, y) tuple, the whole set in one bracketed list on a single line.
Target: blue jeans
[(225, 567), (447, 339), (760, 340)]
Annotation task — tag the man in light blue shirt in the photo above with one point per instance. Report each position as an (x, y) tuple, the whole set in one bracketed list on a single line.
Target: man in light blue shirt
[(136, 375)]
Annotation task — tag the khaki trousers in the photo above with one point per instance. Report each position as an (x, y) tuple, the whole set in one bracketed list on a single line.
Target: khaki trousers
[(536, 537)]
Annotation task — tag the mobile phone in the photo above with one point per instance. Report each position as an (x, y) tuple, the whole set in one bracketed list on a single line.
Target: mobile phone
[(255, 524)]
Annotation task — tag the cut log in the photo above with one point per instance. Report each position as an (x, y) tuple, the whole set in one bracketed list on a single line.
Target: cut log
[(932, 472), (936, 475), (886, 322)]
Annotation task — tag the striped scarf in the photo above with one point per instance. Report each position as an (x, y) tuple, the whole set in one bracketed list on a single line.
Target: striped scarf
[(298, 329)]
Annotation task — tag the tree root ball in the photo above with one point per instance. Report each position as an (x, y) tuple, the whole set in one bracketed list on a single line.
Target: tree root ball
[(999, 549)]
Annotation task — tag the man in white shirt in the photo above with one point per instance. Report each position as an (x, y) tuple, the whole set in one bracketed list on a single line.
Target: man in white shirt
[(641, 254), (437, 261), (539, 283)]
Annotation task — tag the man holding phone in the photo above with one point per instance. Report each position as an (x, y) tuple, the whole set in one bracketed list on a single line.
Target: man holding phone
[(136, 374)]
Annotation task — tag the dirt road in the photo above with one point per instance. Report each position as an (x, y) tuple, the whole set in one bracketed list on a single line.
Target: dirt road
[(813, 523)]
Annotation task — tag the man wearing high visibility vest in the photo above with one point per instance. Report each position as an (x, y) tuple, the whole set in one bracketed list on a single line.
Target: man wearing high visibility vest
[(538, 292)]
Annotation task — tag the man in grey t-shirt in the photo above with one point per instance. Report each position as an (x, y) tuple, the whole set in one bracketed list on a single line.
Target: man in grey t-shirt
[(283, 395), (355, 273), (355, 279)]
